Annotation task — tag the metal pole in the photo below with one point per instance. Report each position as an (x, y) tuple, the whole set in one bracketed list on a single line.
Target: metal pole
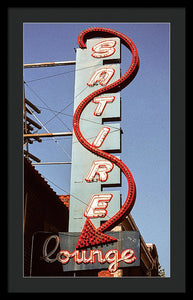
[(50, 64), (25, 120), (32, 135), (53, 163)]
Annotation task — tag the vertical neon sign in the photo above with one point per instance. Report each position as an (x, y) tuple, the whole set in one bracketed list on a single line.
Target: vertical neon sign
[(103, 80), (89, 172)]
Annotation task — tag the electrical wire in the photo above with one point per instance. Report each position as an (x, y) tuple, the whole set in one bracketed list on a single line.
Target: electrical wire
[(42, 100), (58, 74), (49, 132), (71, 116), (59, 113), (55, 115), (89, 138), (71, 195)]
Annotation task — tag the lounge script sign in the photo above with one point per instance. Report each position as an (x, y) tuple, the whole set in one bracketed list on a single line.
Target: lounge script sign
[(54, 253)]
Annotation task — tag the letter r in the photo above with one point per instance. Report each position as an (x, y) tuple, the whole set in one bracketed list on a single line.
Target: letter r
[(100, 168)]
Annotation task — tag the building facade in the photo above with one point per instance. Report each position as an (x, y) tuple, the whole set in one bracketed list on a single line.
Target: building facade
[(47, 212), (43, 210)]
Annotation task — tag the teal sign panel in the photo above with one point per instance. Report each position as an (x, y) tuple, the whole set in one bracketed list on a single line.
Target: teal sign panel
[(99, 125)]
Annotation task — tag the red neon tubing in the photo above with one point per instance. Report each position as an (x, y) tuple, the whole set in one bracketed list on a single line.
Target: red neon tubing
[(113, 87)]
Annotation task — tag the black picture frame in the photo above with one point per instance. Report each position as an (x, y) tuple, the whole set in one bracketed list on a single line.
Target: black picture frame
[(176, 16)]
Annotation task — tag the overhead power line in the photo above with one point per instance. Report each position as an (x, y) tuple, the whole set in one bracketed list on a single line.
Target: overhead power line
[(58, 74), (49, 133), (44, 102)]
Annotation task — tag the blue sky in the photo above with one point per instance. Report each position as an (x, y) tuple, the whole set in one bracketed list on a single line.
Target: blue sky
[(145, 116)]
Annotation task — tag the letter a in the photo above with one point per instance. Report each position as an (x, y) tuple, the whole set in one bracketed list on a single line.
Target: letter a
[(101, 76)]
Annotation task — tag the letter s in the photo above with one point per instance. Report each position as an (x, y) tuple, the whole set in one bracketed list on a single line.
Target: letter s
[(104, 49)]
